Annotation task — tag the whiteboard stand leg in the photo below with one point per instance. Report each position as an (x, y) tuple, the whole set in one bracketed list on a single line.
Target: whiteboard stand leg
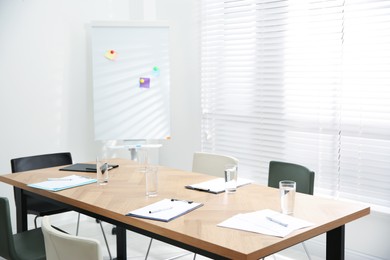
[(133, 153)]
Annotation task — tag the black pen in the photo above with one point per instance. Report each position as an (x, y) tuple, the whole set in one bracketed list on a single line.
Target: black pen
[(188, 201), (110, 167)]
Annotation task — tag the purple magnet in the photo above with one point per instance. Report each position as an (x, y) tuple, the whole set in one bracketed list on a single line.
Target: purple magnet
[(144, 82)]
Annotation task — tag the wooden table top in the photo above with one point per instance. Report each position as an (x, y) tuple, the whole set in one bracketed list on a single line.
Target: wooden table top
[(126, 192)]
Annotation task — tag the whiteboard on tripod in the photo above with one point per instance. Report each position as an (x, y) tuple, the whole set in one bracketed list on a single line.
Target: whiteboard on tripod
[(131, 80)]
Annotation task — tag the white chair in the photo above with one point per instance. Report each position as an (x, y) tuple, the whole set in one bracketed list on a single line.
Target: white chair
[(208, 163), (62, 246), (211, 164)]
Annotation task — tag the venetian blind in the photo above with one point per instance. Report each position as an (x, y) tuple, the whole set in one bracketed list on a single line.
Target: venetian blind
[(300, 81)]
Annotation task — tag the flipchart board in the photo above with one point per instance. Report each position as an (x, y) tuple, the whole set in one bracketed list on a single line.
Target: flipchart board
[(131, 80)]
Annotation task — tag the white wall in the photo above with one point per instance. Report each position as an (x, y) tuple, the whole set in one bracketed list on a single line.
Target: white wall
[(46, 103), (45, 87), (46, 91), (45, 82), (185, 80)]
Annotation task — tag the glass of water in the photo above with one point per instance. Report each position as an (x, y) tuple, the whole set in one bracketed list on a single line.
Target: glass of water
[(287, 196), (101, 171), (231, 171)]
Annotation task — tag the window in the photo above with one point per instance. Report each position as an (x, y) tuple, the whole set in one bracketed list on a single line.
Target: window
[(300, 81)]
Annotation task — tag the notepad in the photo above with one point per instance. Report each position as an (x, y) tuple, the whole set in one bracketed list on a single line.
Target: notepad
[(63, 183), (266, 222), (165, 210), (216, 185)]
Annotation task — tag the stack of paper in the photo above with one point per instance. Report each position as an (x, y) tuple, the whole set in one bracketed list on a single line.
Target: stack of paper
[(216, 185), (266, 222), (57, 184), (165, 210)]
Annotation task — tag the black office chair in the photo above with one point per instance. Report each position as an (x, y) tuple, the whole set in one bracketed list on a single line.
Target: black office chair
[(303, 177), (35, 204), (25, 245)]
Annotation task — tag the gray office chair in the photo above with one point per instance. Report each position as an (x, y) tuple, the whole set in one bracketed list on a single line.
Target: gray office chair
[(61, 246), (25, 245), (208, 163), (35, 204), (303, 177)]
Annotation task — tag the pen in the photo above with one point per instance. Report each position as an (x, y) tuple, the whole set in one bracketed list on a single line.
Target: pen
[(200, 189), (158, 210), (58, 179), (188, 201), (277, 221), (110, 167)]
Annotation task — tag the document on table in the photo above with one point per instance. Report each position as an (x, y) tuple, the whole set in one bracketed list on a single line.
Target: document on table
[(216, 185), (57, 184), (165, 210), (266, 222)]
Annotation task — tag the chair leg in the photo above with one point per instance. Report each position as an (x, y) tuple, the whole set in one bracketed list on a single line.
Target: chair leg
[(147, 252), (171, 258), (105, 240), (178, 256), (35, 221), (78, 224), (307, 252)]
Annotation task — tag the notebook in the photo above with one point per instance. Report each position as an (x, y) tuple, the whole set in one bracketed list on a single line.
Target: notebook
[(85, 167)]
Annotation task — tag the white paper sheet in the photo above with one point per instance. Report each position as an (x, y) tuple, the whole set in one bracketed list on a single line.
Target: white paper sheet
[(165, 210), (260, 222), (63, 183), (216, 185)]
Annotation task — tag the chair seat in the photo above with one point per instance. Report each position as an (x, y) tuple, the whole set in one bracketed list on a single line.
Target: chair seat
[(29, 245)]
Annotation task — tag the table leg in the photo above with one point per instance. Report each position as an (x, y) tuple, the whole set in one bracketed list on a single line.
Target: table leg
[(121, 244), (335, 243), (21, 210)]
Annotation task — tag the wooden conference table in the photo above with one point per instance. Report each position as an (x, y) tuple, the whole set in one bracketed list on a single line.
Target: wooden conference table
[(197, 230)]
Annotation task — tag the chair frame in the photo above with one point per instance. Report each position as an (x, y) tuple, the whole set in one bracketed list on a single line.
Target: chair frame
[(296, 173), (23, 245), (39, 162), (54, 239), (211, 163), (303, 177)]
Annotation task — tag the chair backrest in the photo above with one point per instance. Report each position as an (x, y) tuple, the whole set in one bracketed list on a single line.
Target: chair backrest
[(303, 177), (6, 237), (62, 246), (37, 162), (25, 245), (40, 161), (212, 164)]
